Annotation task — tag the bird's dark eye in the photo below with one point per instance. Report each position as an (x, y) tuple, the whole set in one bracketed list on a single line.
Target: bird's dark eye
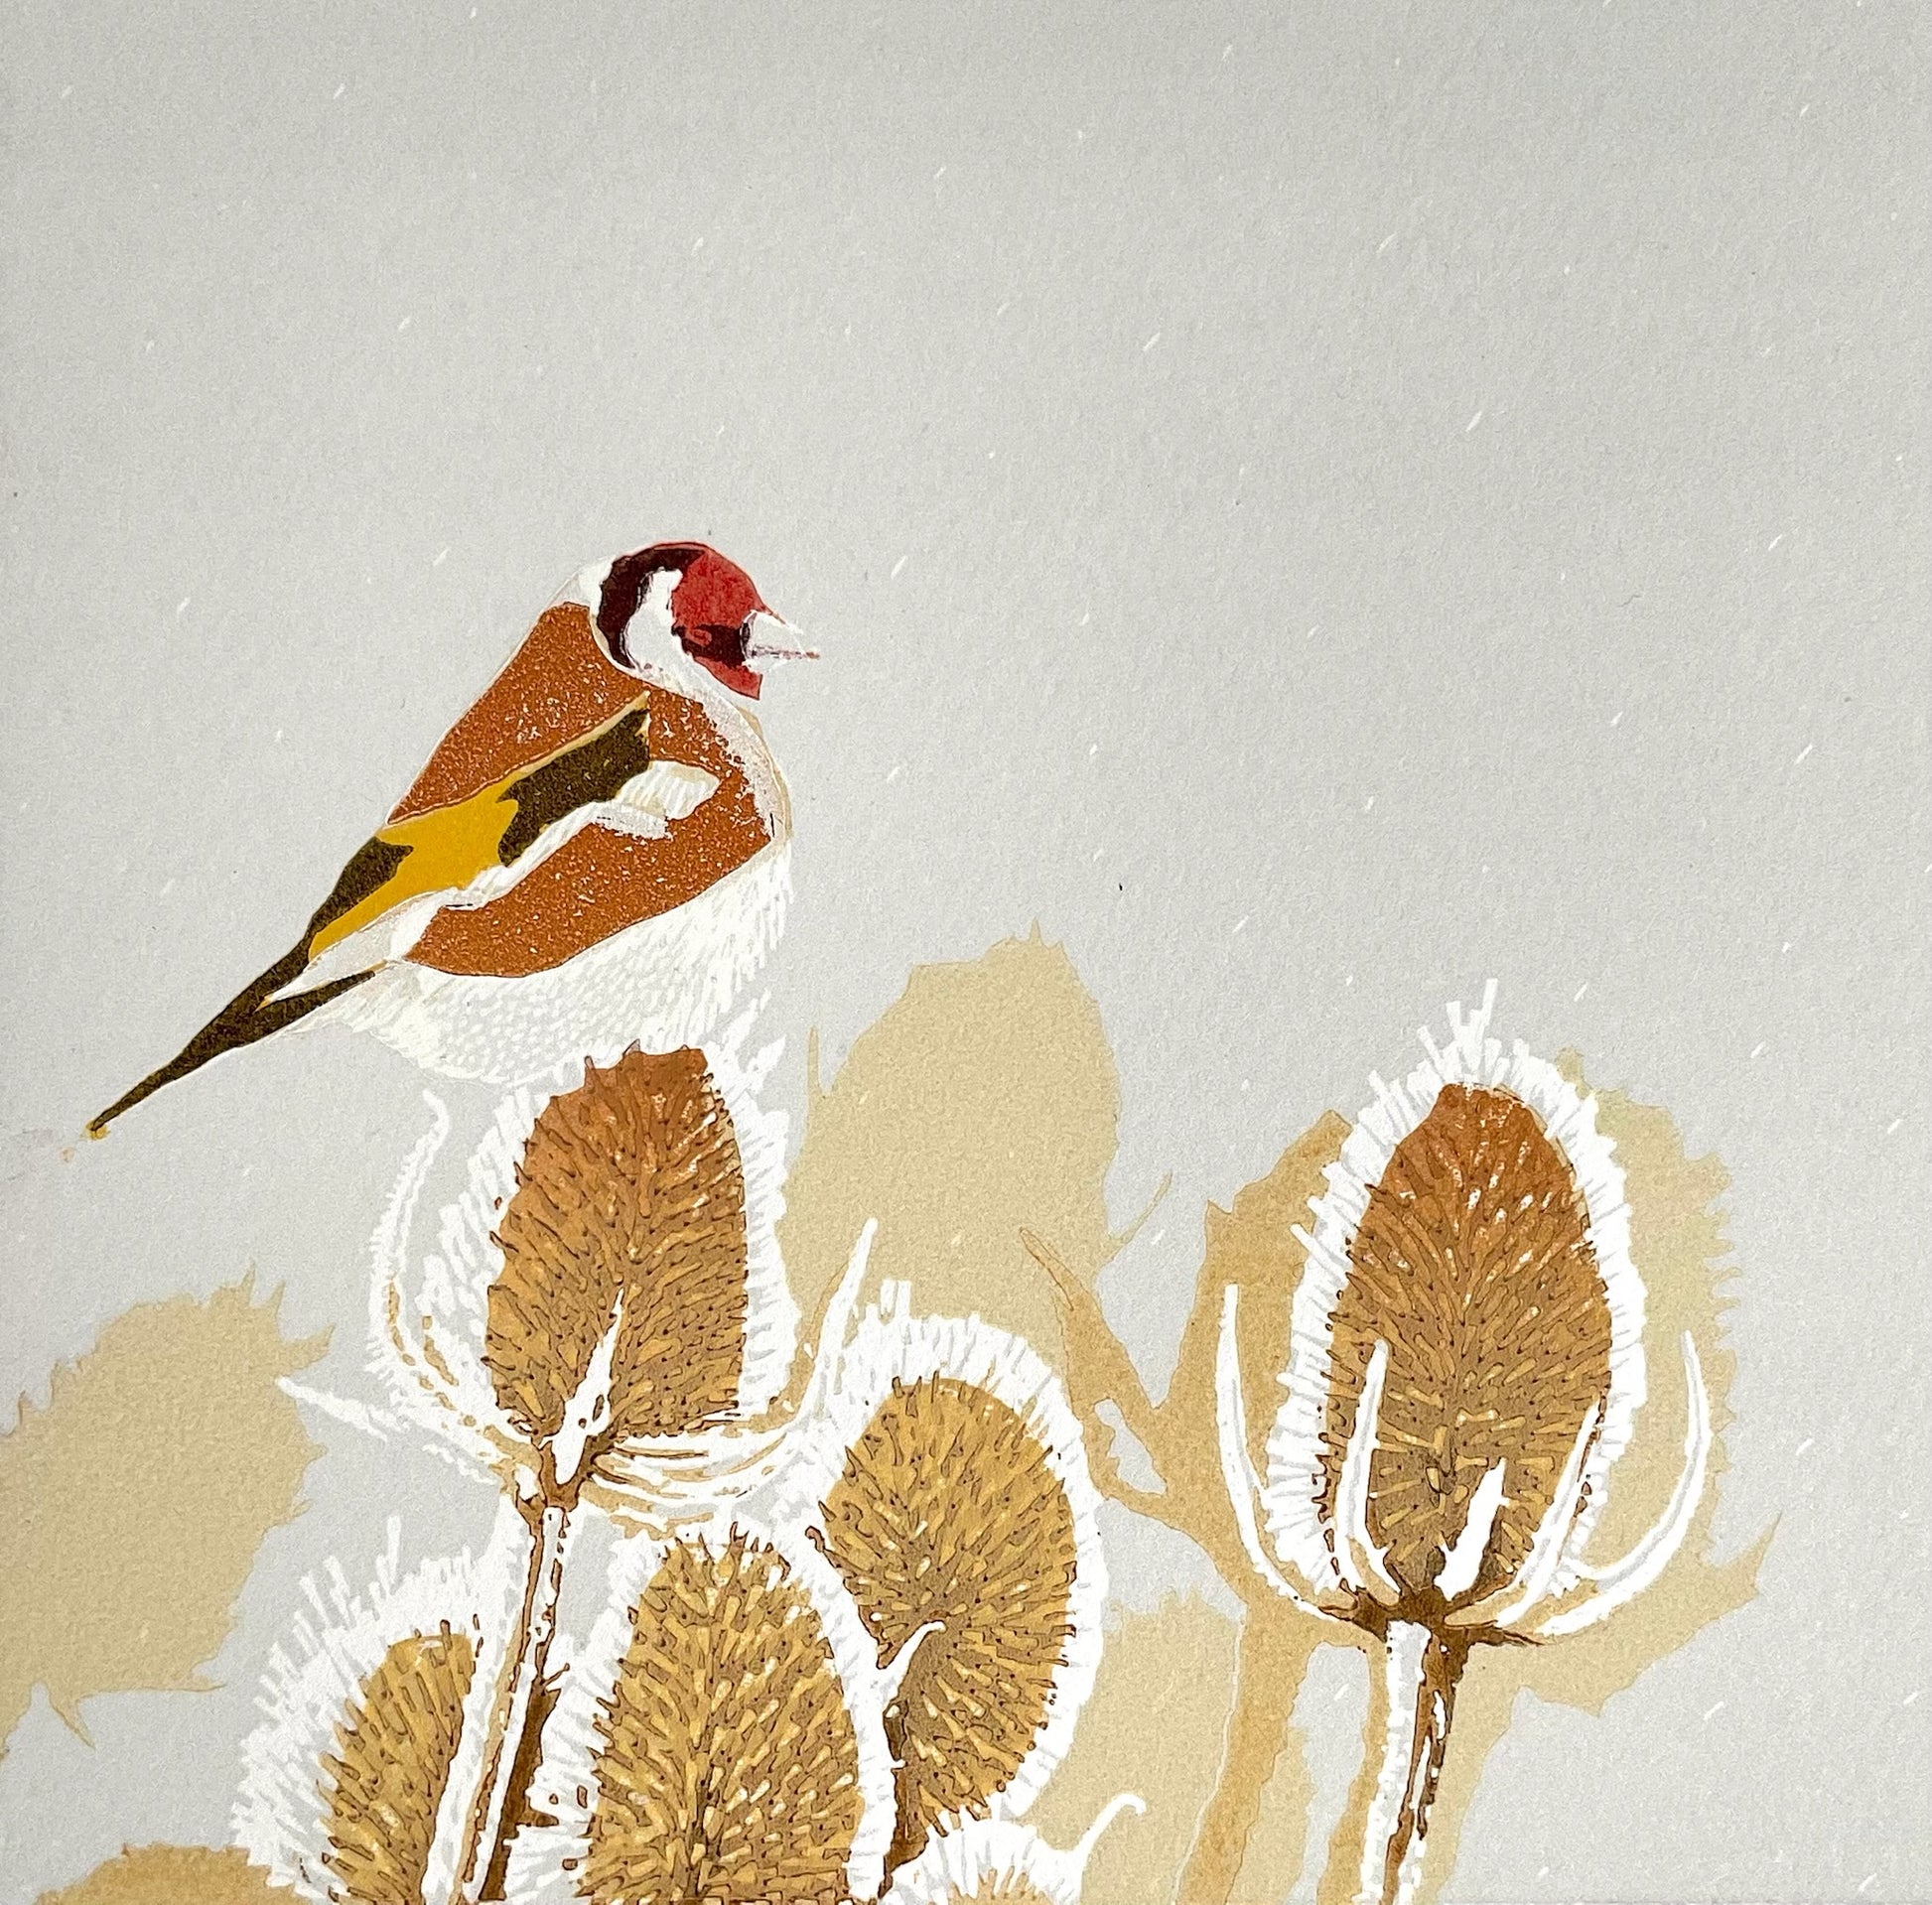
[(716, 643)]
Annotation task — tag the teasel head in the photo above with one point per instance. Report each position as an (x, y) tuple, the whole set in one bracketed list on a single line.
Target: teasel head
[(942, 1475), (987, 1860), (603, 1308), (1465, 1366), (720, 1736), (373, 1715)]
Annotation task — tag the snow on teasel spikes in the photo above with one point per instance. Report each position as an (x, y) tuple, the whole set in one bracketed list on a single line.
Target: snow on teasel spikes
[(945, 1476), (1465, 1366), (1473, 1234), (989, 1860), (354, 1784), (606, 1290), (721, 1735)]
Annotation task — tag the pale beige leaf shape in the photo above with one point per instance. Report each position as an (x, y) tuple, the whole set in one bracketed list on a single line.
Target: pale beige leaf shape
[(171, 1875), (948, 1511), (984, 1101), (390, 1766), (1175, 1662), (1251, 1774), (630, 1191), (1156, 1725), (1678, 1243), (728, 1764), (132, 1505)]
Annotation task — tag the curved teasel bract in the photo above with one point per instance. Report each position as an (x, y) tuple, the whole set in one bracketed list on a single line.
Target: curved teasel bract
[(721, 1736), (353, 1785), (606, 1290), (946, 1481)]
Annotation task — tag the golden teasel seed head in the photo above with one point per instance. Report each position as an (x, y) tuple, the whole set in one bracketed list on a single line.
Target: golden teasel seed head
[(721, 1736), (609, 1286), (353, 1785), (1466, 1356), (946, 1481)]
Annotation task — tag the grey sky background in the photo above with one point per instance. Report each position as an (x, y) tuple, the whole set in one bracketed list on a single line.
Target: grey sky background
[(1317, 506)]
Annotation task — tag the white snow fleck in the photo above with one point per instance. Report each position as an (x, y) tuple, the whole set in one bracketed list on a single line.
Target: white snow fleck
[(180, 608), (1368, 803), (1385, 244), (1151, 342), (1893, 1126), (1805, 1444), (1242, 921), (1616, 718), (1710, 1712), (340, 90), (1758, 1049), (896, 772), (1471, 424), (167, 886), (898, 565), (406, 322), (1803, 752), (1581, 989), (1773, 543)]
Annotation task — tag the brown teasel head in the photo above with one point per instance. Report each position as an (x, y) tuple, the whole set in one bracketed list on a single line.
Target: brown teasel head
[(385, 1778), (1473, 1263), (953, 1499), (354, 1780), (629, 1215), (1466, 1347), (720, 1739), (619, 1240)]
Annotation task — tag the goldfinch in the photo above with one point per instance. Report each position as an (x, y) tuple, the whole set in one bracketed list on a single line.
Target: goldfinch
[(594, 855)]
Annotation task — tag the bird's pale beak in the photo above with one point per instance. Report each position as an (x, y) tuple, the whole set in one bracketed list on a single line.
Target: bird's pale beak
[(770, 640)]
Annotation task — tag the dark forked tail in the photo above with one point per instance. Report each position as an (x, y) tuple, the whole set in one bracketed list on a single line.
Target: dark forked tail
[(254, 1012)]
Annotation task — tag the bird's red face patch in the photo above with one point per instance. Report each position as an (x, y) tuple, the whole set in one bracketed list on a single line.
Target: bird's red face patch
[(710, 607)]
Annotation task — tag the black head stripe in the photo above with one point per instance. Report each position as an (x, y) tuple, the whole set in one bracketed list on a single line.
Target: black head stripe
[(630, 577)]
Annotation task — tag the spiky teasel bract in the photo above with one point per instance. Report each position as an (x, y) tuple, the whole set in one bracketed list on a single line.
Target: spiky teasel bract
[(720, 1737), (354, 1784), (984, 1860), (605, 1305), (945, 1476), (1465, 1366)]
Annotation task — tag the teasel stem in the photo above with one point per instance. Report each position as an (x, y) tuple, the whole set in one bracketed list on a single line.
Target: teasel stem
[(1421, 1668), (523, 1667)]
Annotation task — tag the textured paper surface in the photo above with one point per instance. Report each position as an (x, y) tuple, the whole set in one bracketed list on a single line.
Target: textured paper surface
[(1314, 510)]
